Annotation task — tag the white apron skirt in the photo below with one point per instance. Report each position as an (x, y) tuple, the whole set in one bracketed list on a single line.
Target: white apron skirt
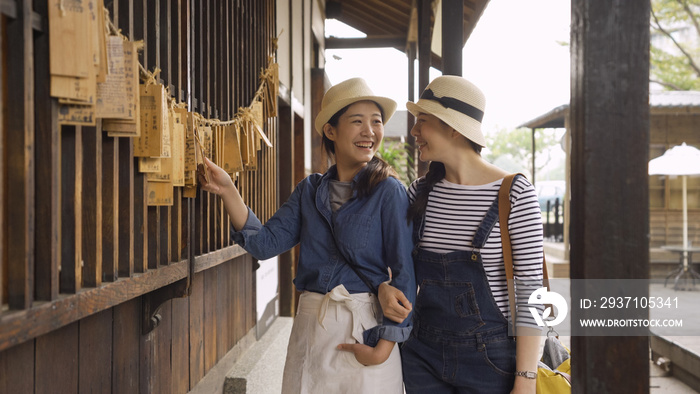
[(315, 365)]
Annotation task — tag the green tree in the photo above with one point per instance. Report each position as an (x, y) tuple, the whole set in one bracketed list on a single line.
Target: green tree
[(396, 154), (512, 149), (675, 44)]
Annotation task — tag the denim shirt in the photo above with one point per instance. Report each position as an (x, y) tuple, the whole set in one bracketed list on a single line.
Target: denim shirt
[(372, 231)]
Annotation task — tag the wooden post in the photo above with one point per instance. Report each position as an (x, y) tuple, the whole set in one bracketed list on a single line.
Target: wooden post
[(92, 205), (110, 209), (452, 36), (71, 209), (126, 220), (424, 56), (609, 193), (410, 120), (19, 148), (48, 147)]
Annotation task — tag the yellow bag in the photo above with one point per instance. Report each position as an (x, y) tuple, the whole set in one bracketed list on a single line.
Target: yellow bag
[(553, 379)]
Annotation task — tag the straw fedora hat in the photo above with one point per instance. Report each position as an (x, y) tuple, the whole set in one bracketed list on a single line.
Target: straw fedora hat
[(455, 101), (348, 92)]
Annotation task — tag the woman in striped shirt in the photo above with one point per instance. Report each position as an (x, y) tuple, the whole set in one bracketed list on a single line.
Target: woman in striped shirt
[(460, 341)]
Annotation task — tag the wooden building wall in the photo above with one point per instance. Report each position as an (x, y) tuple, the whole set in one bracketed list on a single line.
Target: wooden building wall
[(82, 256)]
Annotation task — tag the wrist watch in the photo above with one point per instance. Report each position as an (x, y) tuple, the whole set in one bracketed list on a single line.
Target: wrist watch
[(526, 374)]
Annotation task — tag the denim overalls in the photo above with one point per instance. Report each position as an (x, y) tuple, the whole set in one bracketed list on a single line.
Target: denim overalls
[(459, 341)]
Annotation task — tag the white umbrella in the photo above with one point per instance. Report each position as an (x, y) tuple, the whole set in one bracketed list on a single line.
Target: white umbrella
[(680, 160)]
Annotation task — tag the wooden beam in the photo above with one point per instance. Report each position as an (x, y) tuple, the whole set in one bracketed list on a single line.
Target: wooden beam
[(452, 32), (21, 326), (609, 110), (398, 42)]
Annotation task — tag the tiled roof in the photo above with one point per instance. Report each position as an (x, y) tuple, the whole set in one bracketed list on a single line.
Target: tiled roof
[(682, 98), (688, 101)]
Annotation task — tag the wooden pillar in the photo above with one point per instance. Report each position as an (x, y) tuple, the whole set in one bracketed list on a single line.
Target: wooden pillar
[(319, 85), (286, 186), (452, 36), (47, 145), (424, 39), (609, 193), (20, 160), (410, 120)]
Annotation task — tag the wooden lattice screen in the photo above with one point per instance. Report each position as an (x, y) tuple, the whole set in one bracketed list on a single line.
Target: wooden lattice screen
[(77, 236)]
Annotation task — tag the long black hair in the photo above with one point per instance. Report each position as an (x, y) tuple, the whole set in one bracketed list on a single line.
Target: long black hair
[(436, 172), (376, 170)]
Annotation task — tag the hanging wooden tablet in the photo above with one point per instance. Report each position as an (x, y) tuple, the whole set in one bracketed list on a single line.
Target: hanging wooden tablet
[(149, 164), (275, 75), (165, 172), (159, 193), (166, 139), (256, 110), (68, 87), (102, 35), (178, 149), (244, 144), (69, 49), (111, 97), (78, 115), (258, 124), (153, 121), (166, 165), (272, 87), (207, 139), (189, 192), (252, 150), (93, 40), (232, 150), (216, 143), (190, 155), (130, 124)]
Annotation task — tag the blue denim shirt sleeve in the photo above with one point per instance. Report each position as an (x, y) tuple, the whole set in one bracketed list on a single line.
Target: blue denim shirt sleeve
[(279, 234), (398, 245)]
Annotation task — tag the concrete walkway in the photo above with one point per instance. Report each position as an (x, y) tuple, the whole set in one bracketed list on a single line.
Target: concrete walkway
[(259, 370)]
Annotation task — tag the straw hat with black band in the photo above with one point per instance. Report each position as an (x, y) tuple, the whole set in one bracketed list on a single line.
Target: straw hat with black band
[(349, 92), (455, 101)]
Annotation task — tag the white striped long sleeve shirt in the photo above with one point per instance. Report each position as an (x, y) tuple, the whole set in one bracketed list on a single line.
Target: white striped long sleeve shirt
[(453, 215)]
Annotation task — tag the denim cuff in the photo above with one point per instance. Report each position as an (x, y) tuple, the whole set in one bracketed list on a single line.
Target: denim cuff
[(390, 333), (251, 224)]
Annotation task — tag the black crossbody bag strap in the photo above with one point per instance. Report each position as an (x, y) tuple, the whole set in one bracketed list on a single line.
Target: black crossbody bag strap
[(355, 267), (348, 260)]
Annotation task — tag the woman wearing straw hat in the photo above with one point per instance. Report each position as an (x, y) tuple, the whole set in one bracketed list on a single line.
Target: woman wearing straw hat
[(351, 227), (460, 341)]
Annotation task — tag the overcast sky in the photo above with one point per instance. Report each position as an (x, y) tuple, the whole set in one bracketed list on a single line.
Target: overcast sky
[(514, 55)]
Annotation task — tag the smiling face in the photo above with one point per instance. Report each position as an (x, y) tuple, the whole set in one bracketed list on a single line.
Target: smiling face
[(357, 135), (433, 137)]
